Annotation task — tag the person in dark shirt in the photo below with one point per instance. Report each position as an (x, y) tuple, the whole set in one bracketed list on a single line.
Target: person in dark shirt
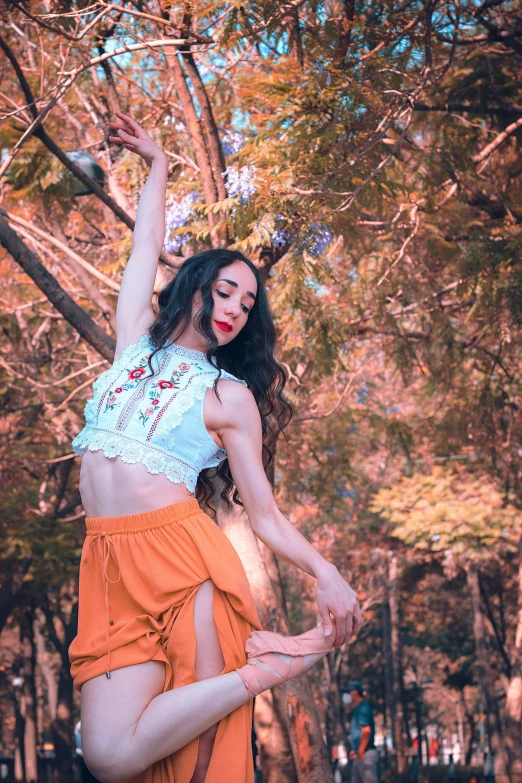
[(363, 754)]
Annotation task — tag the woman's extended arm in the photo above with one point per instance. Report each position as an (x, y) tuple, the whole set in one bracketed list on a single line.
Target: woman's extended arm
[(137, 285), (240, 430)]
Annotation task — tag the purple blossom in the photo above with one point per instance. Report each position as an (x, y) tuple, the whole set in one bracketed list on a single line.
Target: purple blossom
[(177, 215), (361, 394), (279, 237), (347, 492), (232, 142), (240, 182), (317, 239)]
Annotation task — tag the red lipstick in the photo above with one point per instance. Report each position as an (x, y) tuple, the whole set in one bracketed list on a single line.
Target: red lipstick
[(223, 326)]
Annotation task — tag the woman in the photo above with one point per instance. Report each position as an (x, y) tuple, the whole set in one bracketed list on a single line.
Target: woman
[(166, 618)]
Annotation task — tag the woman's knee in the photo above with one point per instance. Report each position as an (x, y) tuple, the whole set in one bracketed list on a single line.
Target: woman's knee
[(105, 761), (109, 717)]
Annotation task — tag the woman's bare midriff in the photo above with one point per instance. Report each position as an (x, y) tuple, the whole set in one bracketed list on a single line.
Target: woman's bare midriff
[(112, 488)]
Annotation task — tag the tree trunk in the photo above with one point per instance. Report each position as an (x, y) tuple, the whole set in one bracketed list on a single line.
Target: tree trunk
[(19, 753), (193, 125), (62, 727), (28, 694), (295, 42), (486, 680), (309, 750), (398, 687), (47, 670), (216, 156), (469, 730), (334, 721), (275, 752), (514, 693), (418, 721), (388, 674)]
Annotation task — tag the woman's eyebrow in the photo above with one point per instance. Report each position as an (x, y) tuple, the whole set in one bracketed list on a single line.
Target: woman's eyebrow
[(231, 282)]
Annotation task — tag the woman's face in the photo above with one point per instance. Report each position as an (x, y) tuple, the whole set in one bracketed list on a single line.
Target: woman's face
[(234, 292)]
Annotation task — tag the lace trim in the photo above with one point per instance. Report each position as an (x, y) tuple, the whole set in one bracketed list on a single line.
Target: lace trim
[(188, 353), (132, 451)]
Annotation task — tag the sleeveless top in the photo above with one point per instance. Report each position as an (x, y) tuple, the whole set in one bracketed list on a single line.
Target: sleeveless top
[(158, 420)]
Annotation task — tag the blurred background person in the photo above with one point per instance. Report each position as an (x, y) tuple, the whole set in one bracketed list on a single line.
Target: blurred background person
[(363, 754)]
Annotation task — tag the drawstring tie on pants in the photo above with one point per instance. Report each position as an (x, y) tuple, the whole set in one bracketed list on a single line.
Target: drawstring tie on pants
[(106, 536)]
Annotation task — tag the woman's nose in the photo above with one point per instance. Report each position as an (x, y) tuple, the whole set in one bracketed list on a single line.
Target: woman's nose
[(232, 307)]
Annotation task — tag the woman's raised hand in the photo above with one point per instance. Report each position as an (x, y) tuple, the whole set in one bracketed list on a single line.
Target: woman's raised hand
[(132, 136)]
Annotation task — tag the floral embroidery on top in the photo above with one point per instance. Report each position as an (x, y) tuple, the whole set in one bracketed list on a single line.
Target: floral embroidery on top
[(159, 386), (134, 374)]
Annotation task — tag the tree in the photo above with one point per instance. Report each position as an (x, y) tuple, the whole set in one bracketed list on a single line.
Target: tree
[(466, 518)]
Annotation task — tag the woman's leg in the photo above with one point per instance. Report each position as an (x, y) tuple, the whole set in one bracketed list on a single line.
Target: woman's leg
[(128, 723)]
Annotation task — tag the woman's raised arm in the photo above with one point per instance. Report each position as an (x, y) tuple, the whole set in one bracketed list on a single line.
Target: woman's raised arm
[(134, 310)]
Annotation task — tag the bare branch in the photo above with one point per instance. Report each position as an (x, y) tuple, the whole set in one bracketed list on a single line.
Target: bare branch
[(64, 248), (88, 329), (497, 141)]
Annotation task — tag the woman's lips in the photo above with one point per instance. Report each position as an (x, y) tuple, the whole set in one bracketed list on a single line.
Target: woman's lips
[(224, 327)]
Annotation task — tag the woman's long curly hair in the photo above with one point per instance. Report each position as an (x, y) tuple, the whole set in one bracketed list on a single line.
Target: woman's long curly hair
[(249, 356)]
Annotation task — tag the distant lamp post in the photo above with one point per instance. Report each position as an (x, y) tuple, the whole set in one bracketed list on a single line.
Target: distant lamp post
[(86, 162)]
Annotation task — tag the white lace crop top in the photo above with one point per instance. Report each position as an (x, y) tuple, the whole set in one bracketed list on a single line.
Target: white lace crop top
[(158, 420)]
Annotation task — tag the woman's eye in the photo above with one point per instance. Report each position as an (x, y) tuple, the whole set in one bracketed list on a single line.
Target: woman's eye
[(225, 296)]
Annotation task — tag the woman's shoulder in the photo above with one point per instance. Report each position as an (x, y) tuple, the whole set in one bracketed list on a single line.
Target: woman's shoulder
[(235, 394), (236, 406)]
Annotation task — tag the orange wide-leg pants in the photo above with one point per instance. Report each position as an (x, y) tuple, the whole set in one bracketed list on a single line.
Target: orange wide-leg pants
[(138, 578)]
